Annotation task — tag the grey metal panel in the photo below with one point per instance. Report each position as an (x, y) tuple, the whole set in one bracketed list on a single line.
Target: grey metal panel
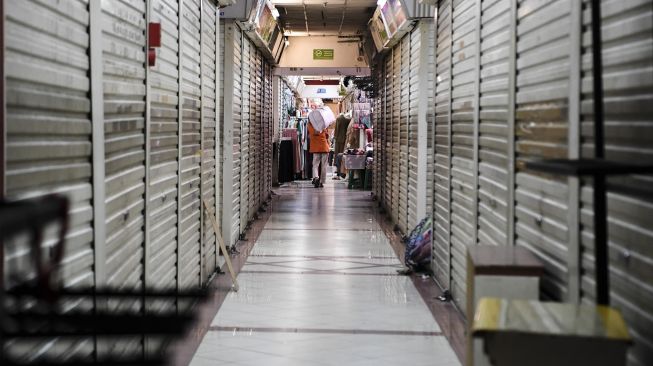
[(189, 239), (254, 130), (403, 111), (388, 146), (48, 122), (164, 112), (48, 137), (245, 147), (209, 85), (442, 200), (493, 128), (124, 120), (462, 142), (415, 67), (628, 84), (397, 201), (541, 132), (239, 111)]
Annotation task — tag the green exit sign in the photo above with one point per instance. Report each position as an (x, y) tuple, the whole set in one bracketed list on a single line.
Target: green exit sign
[(323, 54)]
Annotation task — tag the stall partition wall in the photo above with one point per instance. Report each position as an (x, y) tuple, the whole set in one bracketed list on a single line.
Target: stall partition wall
[(514, 83), (133, 147), (247, 89), (404, 144)]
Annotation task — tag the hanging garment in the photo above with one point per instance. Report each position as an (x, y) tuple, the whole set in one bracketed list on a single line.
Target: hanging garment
[(293, 134), (286, 161), (353, 135), (342, 123)]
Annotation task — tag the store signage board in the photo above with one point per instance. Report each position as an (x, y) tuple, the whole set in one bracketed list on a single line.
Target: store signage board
[(265, 22), (393, 16), (323, 54), (378, 30)]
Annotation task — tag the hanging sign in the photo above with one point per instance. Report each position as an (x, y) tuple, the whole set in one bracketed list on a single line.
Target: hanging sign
[(323, 54)]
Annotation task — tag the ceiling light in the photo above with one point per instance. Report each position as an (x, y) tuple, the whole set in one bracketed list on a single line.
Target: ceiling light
[(275, 13)]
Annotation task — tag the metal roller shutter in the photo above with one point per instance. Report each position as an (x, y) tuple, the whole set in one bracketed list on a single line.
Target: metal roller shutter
[(268, 134), (493, 166), (240, 94), (414, 38), (379, 134), (628, 84), (462, 142), (219, 166), (255, 129), (124, 124), (209, 170), (427, 42), (48, 135), (541, 132), (164, 112), (442, 198), (123, 43), (244, 133), (403, 111), (387, 121), (396, 135), (189, 238)]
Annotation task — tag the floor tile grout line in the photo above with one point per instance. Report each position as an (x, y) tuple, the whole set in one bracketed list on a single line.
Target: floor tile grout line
[(323, 257), (223, 328)]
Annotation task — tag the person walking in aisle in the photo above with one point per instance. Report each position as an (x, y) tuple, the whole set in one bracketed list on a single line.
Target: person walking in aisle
[(320, 149)]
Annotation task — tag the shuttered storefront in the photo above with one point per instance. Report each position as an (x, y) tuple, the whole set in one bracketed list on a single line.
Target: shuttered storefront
[(164, 114), (628, 84), (208, 151), (442, 183), (48, 138), (462, 101), (389, 137), (191, 154), (493, 169)]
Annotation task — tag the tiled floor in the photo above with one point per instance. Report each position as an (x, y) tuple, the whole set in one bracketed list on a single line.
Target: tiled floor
[(320, 288)]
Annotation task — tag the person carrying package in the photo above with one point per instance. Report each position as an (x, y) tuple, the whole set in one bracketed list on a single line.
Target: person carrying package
[(320, 149)]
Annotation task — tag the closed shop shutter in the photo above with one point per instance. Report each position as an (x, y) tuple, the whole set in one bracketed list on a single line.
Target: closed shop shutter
[(442, 198), (124, 124), (396, 135), (239, 112), (255, 130), (48, 133), (628, 85), (164, 114), (379, 133), (493, 167), (427, 46), (462, 142), (413, 103), (403, 114), (189, 240), (244, 133), (267, 134), (387, 122), (220, 124), (123, 43), (208, 134), (542, 86)]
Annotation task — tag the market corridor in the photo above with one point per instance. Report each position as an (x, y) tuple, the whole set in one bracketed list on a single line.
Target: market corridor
[(320, 288)]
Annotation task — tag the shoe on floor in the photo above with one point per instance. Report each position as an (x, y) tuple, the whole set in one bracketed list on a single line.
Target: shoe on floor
[(321, 185)]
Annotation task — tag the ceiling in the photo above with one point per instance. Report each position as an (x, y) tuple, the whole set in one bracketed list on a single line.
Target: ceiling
[(324, 17)]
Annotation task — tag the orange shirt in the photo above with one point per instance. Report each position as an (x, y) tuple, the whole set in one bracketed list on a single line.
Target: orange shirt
[(319, 141)]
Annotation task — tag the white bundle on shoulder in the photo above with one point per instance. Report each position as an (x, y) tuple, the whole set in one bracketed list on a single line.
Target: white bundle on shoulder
[(321, 118)]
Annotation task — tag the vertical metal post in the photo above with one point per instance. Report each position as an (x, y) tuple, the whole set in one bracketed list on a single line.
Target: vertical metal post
[(512, 82), (600, 205), (180, 30), (3, 144), (477, 110), (449, 146), (218, 134), (422, 127), (573, 142), (202, 90), (97, 119), (228, 135)]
